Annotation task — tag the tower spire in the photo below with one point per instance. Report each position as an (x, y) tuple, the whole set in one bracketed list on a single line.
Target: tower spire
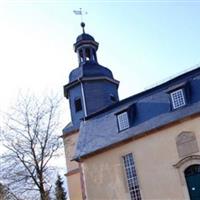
[(91, 86)]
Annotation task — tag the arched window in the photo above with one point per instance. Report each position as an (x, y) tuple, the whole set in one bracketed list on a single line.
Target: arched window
[(80, 55), (192, 176), (87, 54)]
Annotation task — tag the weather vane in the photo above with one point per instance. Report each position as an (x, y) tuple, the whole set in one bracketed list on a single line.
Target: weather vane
[(81, 13)]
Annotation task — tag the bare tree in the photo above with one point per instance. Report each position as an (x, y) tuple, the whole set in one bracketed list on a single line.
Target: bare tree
[(6, 194), (31, 142)]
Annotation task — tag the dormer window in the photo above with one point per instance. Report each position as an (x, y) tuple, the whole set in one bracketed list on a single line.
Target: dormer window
[(123, 121), (178, 98), (125, 118), (179, 94)]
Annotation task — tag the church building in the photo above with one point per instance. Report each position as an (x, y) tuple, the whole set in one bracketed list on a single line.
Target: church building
[(143, 147)]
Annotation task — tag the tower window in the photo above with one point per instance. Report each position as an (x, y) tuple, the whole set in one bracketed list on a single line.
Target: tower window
[(131, 176), (178, 99), (123, 121), (78, 105), (113, 98)]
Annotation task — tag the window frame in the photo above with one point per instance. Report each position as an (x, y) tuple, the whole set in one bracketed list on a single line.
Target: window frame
[(132, 182), (118, 120), (131, 112), (185, 86), (173, 100)]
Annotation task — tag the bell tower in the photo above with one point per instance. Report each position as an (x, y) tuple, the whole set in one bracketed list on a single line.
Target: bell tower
[(91, 86)]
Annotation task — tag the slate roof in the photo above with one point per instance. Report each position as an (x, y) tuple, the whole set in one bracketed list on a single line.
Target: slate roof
[(89, 69), (152, 110), (70, 128), (84, 36)]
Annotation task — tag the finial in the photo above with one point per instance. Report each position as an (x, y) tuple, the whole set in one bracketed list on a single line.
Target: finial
[(83, 26)]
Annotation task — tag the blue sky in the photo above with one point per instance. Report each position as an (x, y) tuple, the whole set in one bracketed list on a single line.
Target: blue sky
[(142, 42)]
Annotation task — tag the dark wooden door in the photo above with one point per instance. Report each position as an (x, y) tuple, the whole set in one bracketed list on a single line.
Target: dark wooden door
[(192, 175)]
